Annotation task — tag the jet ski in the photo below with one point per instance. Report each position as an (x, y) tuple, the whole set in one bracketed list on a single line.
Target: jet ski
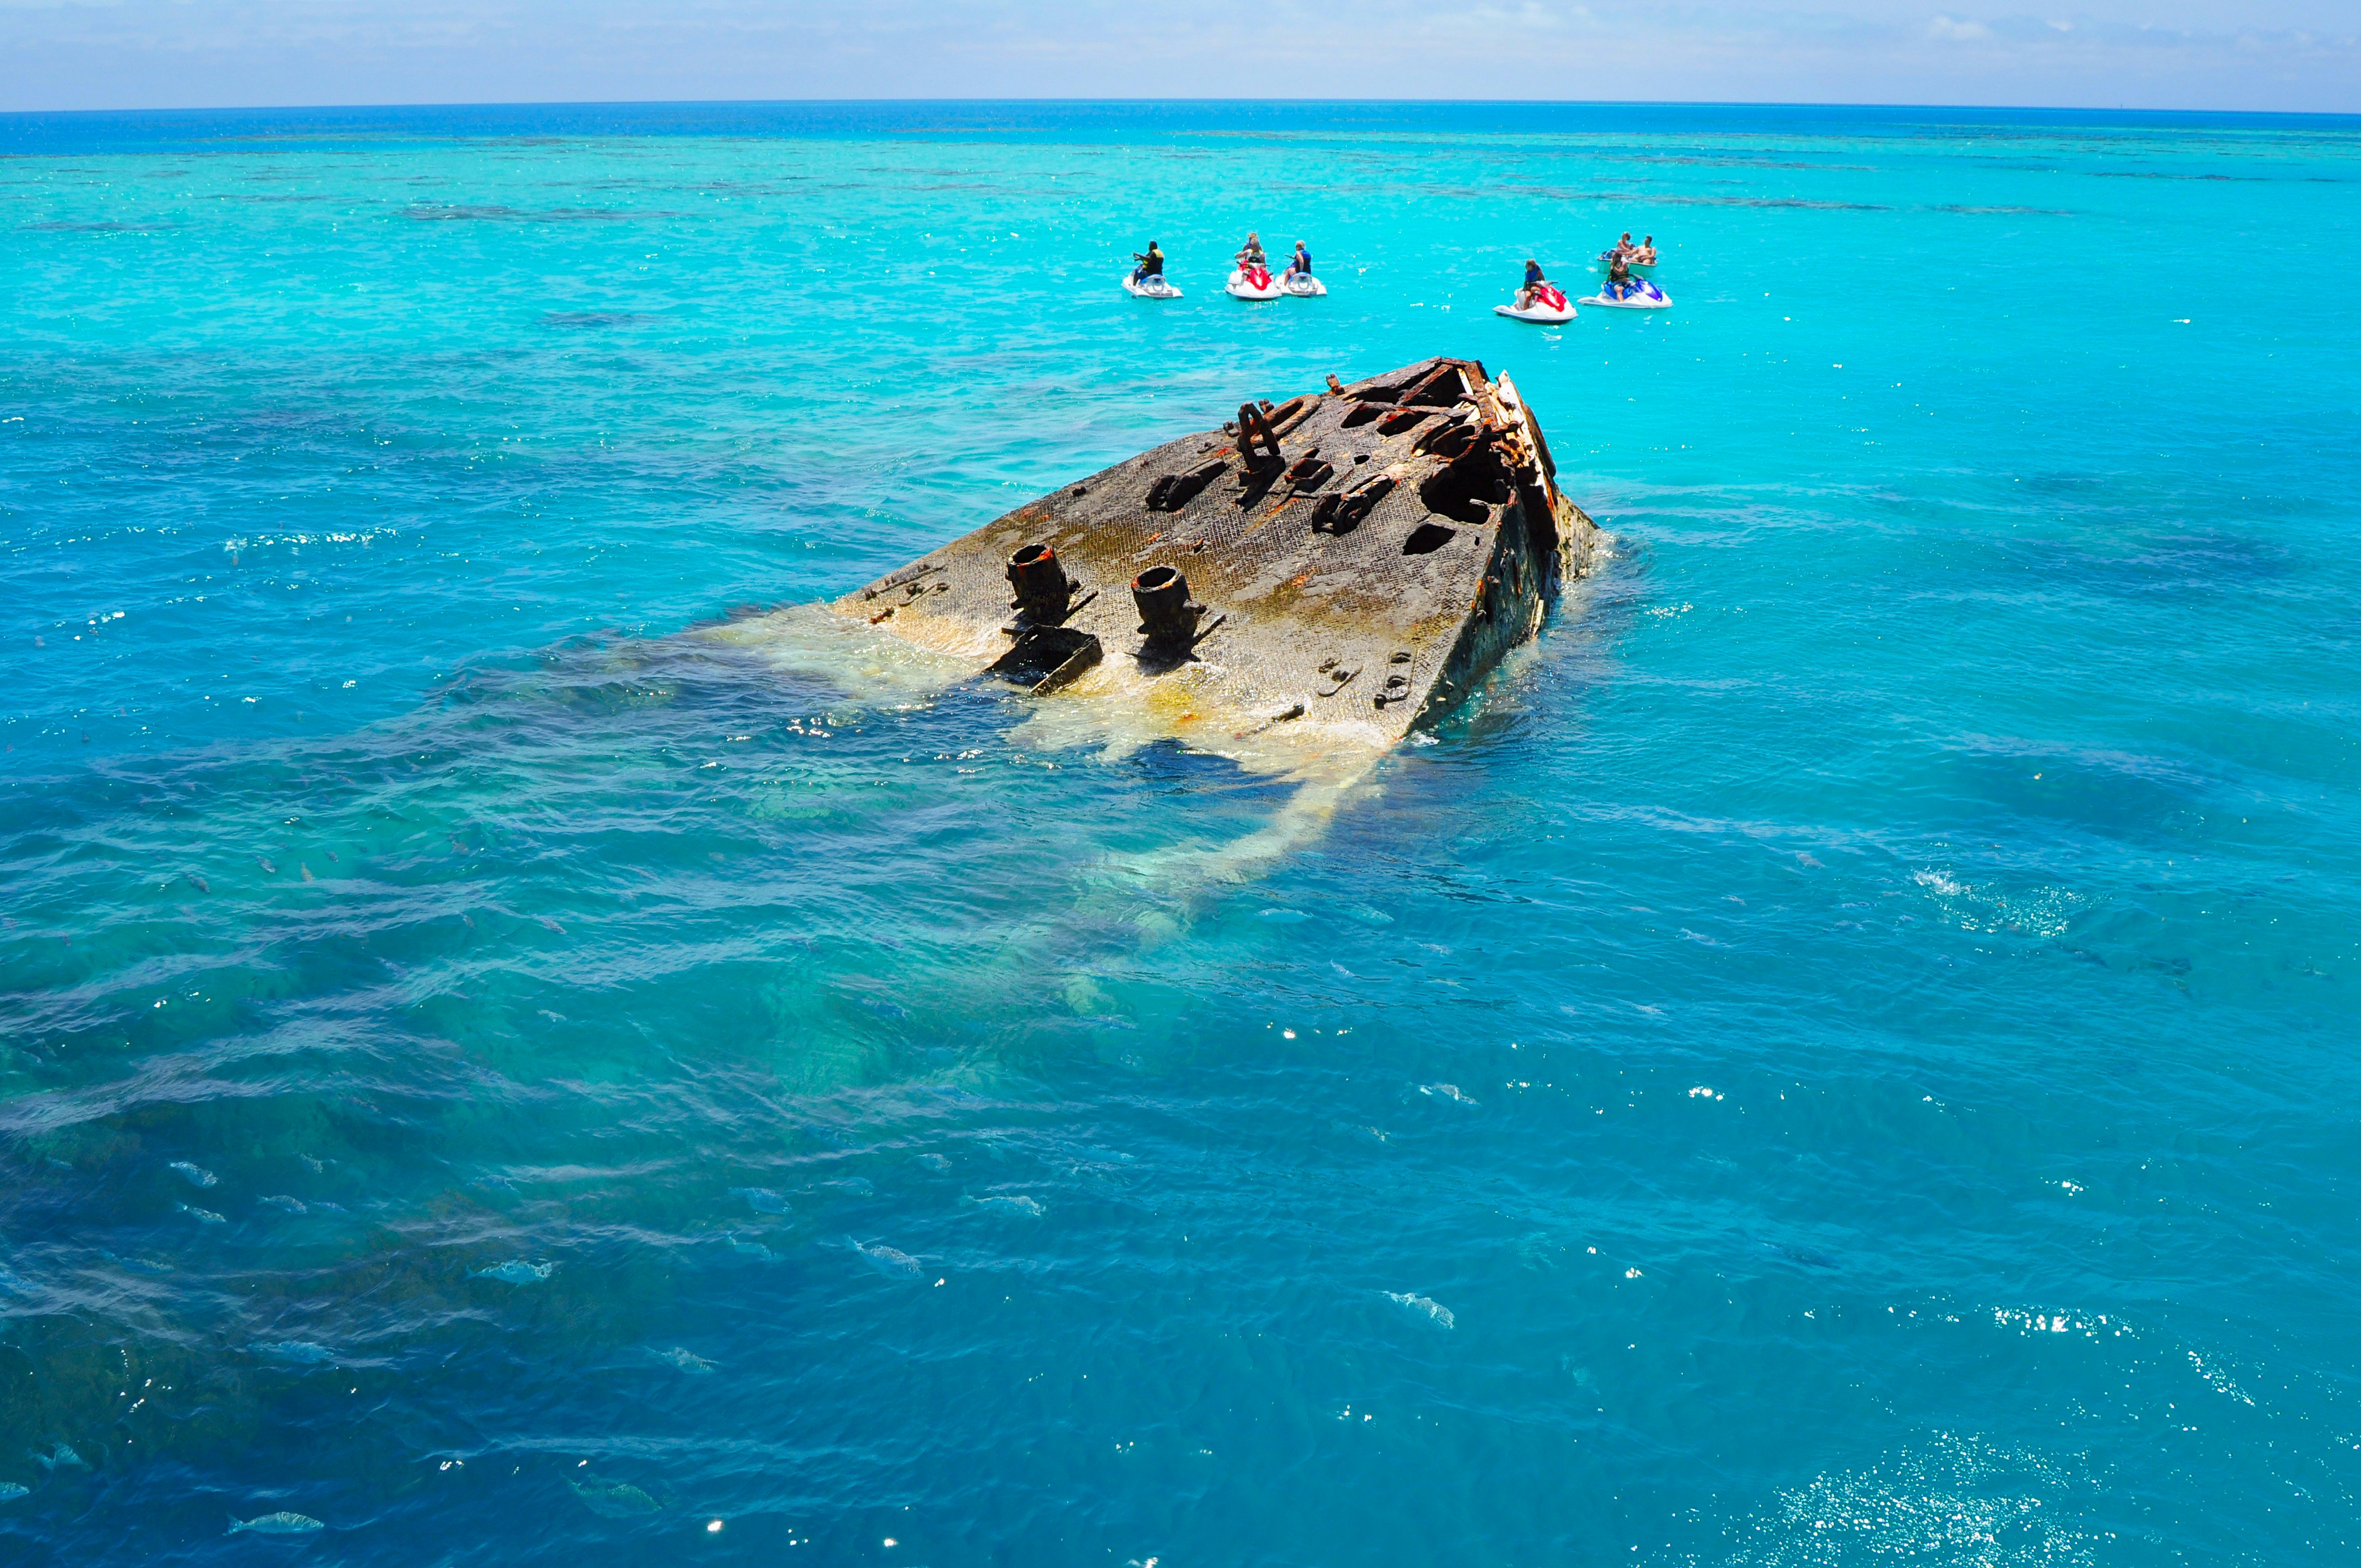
[(1152, 287), (1639, 294), (1252, 283), (1303, 285), (1550, 307)]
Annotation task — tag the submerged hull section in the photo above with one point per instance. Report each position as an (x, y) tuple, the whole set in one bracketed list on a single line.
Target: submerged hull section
[(1348, 565)]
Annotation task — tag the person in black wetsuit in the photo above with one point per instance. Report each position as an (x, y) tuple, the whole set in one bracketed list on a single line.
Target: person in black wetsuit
[(1152, 264)]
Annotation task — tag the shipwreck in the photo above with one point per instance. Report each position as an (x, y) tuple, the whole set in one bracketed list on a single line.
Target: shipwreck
[(1347, 563)]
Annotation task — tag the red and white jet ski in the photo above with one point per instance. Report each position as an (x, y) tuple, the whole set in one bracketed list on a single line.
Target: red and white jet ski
[(1252, 283), (1550, 307)]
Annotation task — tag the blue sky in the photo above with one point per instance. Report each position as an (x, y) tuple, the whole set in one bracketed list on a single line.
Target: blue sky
[(2263, 54)]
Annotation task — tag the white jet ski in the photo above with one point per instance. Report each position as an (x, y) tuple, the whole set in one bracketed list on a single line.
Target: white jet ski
[(1152, 287), (1257, 284), (1550, 307), (1303, 285), (1639, 294)]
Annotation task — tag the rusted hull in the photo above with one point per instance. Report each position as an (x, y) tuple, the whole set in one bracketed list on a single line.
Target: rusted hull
[(1349, 563)]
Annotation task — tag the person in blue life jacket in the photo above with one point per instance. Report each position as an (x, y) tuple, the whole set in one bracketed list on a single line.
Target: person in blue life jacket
[(1152, 264), (1533, 281), (1301, 262)]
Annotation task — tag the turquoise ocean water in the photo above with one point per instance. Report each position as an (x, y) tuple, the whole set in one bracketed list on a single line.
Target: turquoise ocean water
[(1846, 1053)]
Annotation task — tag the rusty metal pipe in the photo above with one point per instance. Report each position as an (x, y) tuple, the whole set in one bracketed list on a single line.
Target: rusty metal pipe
[(1165, 613), (1041, 584)]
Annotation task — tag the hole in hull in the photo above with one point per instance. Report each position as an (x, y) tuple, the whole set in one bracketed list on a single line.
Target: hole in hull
[(1465, 491)]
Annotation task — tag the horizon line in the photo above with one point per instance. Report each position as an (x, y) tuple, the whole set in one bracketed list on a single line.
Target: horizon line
[(1206, 101)]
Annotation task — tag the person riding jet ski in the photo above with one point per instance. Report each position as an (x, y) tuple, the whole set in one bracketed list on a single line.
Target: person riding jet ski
[(1302, 261), (1250, 256), (1533, 281), (1152, 264)]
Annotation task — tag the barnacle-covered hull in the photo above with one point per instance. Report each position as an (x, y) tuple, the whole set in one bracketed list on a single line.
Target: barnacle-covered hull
[(1345, 565)]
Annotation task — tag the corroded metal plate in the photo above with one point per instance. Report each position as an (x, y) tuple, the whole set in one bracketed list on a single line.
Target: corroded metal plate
[(1354, 560)]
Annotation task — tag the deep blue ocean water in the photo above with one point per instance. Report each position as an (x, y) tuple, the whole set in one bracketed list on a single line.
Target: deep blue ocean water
[(1846, 1053)]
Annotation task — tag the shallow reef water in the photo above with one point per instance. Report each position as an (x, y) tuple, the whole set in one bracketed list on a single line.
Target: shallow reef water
[(522, 1040)]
